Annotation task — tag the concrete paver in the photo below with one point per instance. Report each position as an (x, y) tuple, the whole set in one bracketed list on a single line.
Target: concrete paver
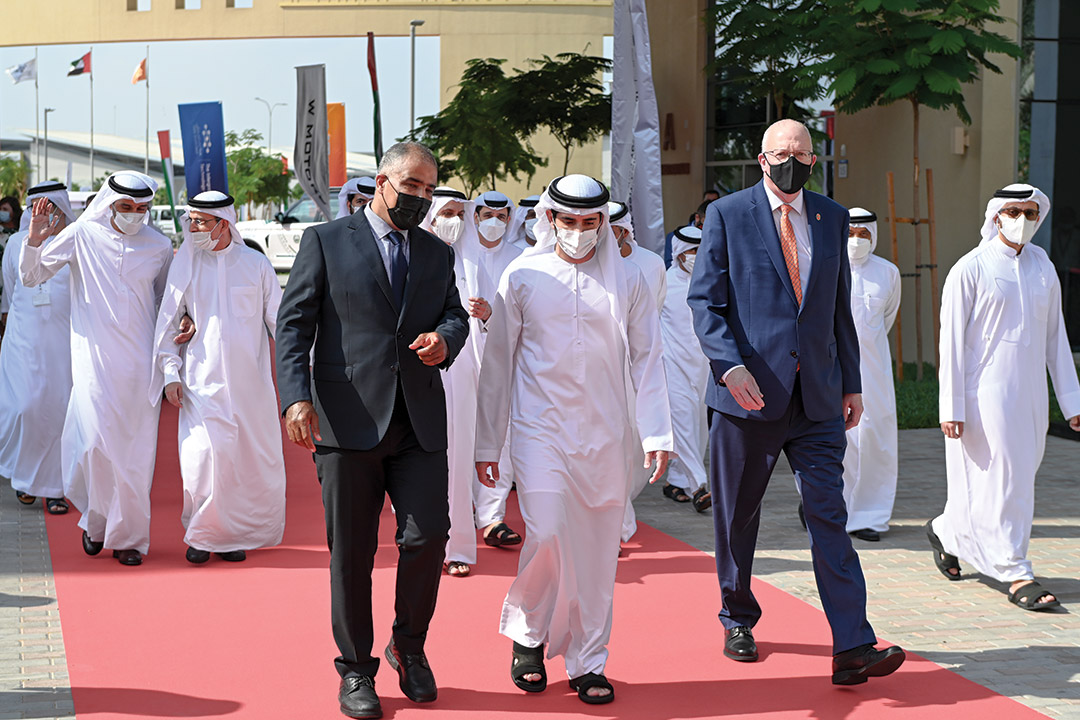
[(967, 626)]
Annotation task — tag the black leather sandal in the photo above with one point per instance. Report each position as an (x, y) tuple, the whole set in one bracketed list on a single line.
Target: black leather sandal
[(591, 680), (527, 661)]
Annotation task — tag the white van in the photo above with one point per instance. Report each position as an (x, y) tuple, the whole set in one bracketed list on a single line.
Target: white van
[(279, 239)]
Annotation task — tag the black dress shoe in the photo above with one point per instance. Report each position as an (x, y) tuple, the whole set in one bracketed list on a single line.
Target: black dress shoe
[(197, 556), (414, 675), (358, 699), (855, 666), (233, 556), (128, 557), (739, 644), (89, 546), (866, 534)]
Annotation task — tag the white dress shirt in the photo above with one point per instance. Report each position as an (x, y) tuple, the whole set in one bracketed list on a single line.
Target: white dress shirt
[(382, 230)]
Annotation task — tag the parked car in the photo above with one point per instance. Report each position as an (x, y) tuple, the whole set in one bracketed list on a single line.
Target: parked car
[(279, 239), (161, 217)]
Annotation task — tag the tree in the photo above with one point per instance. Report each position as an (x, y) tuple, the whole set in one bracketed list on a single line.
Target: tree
[(470, 135), (14, 176), (566, 96), (919, 51), (770, 44), (255, 177)]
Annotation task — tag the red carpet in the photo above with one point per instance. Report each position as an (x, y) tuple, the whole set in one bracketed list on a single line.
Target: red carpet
[(169, 639)]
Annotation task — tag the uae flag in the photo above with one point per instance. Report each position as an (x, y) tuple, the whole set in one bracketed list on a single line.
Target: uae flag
[(80, 66)]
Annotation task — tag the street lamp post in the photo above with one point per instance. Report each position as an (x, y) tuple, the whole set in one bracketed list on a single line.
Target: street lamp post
[(412, 72), (47, 111), (270, 129)]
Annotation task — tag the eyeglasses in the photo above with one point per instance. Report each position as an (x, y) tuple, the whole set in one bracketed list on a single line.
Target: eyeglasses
[(204, 222), (782, 156), (1014, 213)]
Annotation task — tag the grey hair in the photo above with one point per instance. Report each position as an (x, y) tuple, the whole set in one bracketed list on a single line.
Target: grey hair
[(784, 121), (400, 152)]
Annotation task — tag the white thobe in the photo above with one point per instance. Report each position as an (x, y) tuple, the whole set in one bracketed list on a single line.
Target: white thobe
[(229, 432), (554, 366), (1001, 327), (652, 268), (688, 375), (491, 502), (35, 377), (870, 462), (110, 431)]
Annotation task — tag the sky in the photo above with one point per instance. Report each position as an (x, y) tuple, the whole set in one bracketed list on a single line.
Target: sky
[(232, 71)]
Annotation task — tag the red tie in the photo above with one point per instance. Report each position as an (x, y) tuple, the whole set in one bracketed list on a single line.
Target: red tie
[(791, 251)]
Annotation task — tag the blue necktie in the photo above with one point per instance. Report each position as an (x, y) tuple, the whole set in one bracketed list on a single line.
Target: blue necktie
[(399, 267)]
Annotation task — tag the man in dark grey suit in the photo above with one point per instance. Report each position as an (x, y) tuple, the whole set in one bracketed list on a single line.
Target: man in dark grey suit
[(376, 296)]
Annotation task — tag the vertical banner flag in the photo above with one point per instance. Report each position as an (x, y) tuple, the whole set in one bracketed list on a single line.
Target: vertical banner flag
[(165, 146), (375, 95), (311, 154), (335, 119), (202, 129), (23, 71), (635, 126)]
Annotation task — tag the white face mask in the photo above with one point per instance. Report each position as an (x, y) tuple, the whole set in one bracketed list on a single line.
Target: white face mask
[(529, 225), (203, 241), (688, 262), (577, 243), (858, 247), (449, 229), (492, 229), (1018, 230), (128, 223)]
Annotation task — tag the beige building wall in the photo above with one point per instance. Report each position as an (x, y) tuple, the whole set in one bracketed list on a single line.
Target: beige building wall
[(677, 37), (880, 139)]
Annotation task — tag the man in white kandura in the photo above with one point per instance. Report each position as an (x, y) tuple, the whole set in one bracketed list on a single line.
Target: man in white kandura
[(118, 268), (230, 440), (569, 316), (355, 194), (452, 218), (35, 364), (688, 376), (870, 462), (1001, 328), (652, 268), (497, 223), (525, 221)]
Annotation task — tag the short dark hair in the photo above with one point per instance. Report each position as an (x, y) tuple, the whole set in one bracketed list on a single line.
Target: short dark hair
[(16, 208), (703, 207)]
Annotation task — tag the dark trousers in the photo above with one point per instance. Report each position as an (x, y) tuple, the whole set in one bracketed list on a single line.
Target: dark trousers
[(742, 455), (354, 483)]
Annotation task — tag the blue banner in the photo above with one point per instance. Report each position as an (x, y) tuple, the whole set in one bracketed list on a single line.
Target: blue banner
[(202, 128)]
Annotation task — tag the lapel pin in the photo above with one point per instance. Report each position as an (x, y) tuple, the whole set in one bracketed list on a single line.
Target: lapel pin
[(818, 216)]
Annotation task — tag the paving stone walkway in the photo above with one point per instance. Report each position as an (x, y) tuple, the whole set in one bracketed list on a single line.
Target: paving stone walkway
[(966, 626), (969, 626)]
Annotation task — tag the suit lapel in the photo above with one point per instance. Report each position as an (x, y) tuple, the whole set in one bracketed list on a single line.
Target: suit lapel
[(762, 215), (817, 240), (363, 239)]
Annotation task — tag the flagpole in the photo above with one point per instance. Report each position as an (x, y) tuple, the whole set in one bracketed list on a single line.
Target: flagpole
[(146, 69), (37, 118), (91, 119)]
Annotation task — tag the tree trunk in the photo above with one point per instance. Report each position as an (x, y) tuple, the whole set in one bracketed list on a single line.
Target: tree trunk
[(918, 246), (566, 158)]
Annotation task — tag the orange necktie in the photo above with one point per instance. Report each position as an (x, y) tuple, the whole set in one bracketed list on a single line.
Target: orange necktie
[(791, 251)]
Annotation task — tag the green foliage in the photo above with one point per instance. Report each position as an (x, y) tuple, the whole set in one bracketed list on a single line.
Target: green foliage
[(477, 135), (565, 96), (917, 400), (773, 44), (923, 51), (14, 176), (255, 178)]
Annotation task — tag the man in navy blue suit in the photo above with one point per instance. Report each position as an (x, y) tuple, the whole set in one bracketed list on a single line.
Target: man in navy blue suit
[(770, 298)]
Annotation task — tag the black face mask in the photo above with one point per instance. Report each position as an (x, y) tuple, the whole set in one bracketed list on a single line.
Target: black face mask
[(409, 210), (790, 175)]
